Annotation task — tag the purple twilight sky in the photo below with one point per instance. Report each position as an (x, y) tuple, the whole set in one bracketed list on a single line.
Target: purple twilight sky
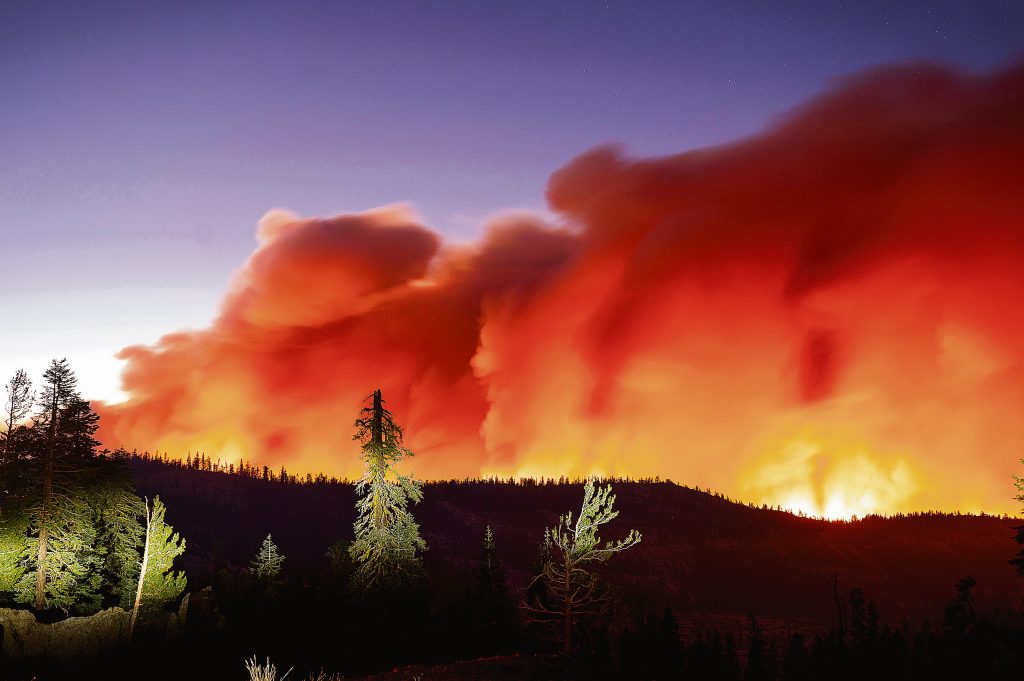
[(141, 142)]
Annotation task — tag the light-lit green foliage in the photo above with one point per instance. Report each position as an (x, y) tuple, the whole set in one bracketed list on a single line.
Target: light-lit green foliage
[(73, 559), (160, 585), (54, 485), (266, 566), (83, 533), (577, 542), (13, 533), (93, 542), (116, 510), (571, 590), (387, 538)]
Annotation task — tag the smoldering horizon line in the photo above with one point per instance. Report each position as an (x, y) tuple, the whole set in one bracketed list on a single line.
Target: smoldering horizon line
[(820, 316), (220, 467)]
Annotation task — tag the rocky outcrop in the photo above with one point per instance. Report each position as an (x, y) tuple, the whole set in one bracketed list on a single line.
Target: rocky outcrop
[(24, 636)]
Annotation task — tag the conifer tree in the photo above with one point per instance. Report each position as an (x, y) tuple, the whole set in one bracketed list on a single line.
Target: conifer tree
[(58, 391), (68, 522), (491, 589), (62, 521), (490, 564), (71, 560), (536, 590), (1018, 562), (116, 510), (266, 566), (17, 407), (496, 619), (573, 591), (157, 584), (387, 538)]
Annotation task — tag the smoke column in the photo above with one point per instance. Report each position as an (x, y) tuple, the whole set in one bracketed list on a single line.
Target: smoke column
[(826, 316)]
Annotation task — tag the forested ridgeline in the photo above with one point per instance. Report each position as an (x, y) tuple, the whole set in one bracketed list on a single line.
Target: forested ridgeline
[(702, 554), (389, 570)]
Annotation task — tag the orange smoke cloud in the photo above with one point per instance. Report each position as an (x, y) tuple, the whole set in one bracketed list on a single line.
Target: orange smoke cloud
[(826, 316)]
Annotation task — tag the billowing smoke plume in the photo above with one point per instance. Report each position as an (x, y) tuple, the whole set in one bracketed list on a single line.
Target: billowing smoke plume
[(828, 316)]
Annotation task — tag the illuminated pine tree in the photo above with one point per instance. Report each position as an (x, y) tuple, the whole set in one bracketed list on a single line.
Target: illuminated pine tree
[(68, 534), (157, 585), (387, 538), (72, 560), (117, 509), (572, 592), (59, 391), (63, 558), (266, 566)]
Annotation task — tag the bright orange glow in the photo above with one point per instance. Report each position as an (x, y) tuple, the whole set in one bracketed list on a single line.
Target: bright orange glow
[(830, 479), (826, 317)]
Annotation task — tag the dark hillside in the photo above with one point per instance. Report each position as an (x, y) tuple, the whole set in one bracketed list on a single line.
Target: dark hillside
[(706, 556)]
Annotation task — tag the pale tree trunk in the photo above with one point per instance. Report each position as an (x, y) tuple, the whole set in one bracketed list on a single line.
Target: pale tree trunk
[(142, 577)]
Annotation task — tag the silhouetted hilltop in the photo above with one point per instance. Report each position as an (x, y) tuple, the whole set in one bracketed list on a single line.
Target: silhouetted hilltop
[(704, 555)]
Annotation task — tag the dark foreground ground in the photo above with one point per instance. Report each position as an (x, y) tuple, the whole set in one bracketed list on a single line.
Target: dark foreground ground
[(716, 590)]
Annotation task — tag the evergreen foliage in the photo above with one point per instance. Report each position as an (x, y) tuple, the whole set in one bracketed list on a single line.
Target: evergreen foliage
[(13, 532), (573, 591), (58, 471), (266, 566), (338, 560), (158, 585), (495, 616), (69, 532), (536, 590), (387, 538), (116, 510), (72, 562), (491, 573), (16, 408)]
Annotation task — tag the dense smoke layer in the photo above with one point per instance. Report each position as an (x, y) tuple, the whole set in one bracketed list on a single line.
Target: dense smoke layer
[(826, 316)]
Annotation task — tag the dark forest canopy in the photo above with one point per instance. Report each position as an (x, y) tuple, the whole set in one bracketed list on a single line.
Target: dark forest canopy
[(712, 577)]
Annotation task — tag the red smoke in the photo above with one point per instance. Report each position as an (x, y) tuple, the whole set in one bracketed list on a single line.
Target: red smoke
[(828, 316)]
